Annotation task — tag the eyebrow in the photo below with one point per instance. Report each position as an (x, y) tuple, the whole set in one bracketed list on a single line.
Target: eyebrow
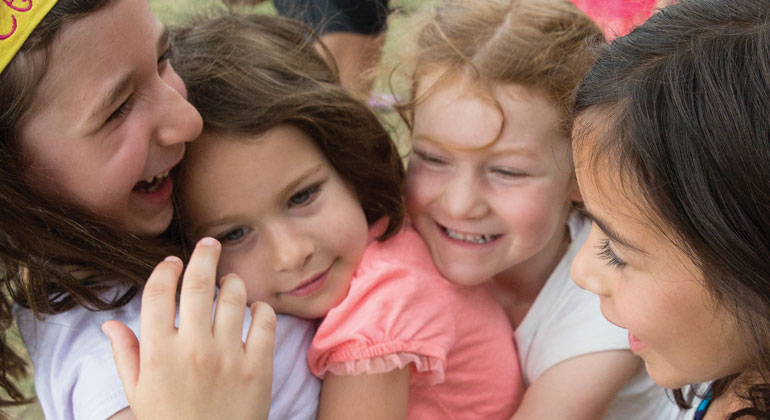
[(124, 83), (299, 179), (118, 91), (523, 151), (611, 233)]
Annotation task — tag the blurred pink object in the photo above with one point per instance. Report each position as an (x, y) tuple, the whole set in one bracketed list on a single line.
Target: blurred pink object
[(617, 17)]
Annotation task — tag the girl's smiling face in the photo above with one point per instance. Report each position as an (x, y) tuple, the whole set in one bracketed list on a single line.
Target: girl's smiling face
[(110, 119), (289, 225), (649, 286), (489, 186)]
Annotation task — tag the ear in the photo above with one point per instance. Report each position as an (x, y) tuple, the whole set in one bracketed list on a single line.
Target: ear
[(574, 191)]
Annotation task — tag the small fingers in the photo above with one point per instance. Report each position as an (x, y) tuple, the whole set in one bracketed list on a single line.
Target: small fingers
[(197, 297), (231, 306), (261, 338), (125, 352), (159, 300)]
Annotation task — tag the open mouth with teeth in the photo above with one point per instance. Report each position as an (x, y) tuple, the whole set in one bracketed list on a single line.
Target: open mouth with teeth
[(469, 237), (151, 184)]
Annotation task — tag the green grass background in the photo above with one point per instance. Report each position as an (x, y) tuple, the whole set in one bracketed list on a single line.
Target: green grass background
[(175, 12)]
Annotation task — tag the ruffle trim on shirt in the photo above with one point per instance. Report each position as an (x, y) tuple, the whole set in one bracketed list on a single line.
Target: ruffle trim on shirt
[(425, 370)]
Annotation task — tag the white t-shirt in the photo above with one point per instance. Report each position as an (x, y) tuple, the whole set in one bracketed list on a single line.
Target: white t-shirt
[(76, 378), (565, 321)]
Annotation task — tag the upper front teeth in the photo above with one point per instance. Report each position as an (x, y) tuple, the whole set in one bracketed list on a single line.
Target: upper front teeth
[(153, 178), (467, 237)]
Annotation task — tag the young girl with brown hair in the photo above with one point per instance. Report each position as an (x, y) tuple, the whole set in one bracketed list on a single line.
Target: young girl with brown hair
[(671, 146), (303, 188), (95, 120), (490, 187)]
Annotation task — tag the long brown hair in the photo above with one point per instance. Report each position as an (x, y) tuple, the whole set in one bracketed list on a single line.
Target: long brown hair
[(247, 74), (680, 106), (542, 44), (54, 257)]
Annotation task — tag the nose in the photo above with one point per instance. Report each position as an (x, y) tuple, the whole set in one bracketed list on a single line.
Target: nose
[(291, 249), (177, 120), (461, 198), (587, 269)]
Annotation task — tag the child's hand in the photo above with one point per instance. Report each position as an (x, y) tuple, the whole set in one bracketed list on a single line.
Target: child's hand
[(200, 370)]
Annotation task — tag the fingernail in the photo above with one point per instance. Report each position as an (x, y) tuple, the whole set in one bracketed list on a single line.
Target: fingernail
[(172, 258), (209, 242)]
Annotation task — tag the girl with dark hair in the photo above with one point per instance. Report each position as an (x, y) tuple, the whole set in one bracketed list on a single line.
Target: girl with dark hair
[(94, 119), (671, 146), (303, 187)]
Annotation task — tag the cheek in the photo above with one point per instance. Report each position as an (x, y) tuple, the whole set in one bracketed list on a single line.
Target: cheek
[(421, 187), (341, 227), (246, 266), (531, 211), (130, 156)]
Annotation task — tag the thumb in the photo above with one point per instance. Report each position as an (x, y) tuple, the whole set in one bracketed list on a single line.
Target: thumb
[(125, 352)]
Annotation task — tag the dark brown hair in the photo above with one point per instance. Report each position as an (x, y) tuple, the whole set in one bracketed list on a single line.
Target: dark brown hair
[(679, 108), (53, 257), (542, 44), (247, 74)]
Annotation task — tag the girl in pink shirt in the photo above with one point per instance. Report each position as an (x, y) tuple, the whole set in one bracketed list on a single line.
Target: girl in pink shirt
[(303, 188)]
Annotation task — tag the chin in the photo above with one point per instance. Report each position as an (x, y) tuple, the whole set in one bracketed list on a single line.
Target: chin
[(462, 277), (151, 228), (667, 377)]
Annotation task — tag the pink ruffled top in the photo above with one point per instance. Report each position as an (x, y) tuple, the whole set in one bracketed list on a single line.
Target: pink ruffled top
[(400, 312), (616, 17)]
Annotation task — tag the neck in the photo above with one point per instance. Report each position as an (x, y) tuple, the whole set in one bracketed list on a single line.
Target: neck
[(730, 400)]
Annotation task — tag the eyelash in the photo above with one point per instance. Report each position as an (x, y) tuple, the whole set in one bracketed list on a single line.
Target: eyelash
[(312, 192), (167, 55), (606, 253), (429, 158), (122, 110), (126, 106), (508, 174), (227, 241)]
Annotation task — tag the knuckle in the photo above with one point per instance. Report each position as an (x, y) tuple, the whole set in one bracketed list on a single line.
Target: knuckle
[(154, 290), (196, 284), (232, 298)]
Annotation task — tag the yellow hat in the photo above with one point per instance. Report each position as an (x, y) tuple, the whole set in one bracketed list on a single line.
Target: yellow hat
[(18, 18)]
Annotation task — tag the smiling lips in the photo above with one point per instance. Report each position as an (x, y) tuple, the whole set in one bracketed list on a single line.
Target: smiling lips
[(479, 239), (310, 286), (151, 184)]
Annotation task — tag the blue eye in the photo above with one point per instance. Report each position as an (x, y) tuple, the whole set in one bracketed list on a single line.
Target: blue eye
[(304, 196), (608, 255), (232, 236)]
